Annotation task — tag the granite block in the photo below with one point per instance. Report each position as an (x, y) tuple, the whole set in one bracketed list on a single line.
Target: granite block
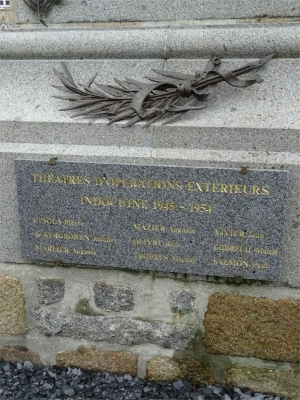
[(196, 136), (9, 228), (245, 111), (166, 42), (15, 354), (259, 109), (73, 133), (84, 44), (290, 273), (117, 362), (10, 250), (284, 383), (124, 331), (241, 41), (166, 369), (13, 313), (157, 10), (182, 301), (247, 326), (50, 290), (29, 97), (113, 297), (206, 221)]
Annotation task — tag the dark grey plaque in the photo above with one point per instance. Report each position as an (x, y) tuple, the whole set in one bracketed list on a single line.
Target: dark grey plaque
[(206, 221)]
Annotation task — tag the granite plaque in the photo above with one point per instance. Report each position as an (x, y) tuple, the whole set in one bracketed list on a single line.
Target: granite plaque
[(205, 221)]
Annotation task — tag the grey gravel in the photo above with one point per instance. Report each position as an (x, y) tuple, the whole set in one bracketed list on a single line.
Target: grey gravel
[(178, 385), (28, 381)]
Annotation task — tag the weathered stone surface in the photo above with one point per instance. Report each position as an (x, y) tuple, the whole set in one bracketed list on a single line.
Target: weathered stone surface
[(51, 290), (118, 362), (112, 297), (169, 370), (125, 331), (158, 10), (14, 354), (281, 383), (13, 316), (172, 44), (253, 327), (182, 301)]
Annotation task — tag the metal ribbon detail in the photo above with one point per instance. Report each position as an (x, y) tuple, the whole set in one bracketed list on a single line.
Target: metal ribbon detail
[(170, 95)]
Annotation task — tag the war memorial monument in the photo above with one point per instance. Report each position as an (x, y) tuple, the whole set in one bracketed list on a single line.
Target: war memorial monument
[(149, 167)]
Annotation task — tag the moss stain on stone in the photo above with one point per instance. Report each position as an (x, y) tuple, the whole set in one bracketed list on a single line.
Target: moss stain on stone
[(171, 369), (218, 363), (176, 315), (20, 348), (83, 307), (81, 349)]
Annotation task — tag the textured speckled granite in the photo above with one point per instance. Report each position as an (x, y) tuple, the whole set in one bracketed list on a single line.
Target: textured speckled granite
[(157, 10), (124, 331), (50, 290), (141, 234), (113, 297)]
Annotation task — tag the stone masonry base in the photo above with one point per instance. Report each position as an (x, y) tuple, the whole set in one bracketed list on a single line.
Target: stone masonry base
[(155, 326)]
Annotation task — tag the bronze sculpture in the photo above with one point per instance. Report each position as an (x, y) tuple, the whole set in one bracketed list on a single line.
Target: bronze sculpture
[(172, 94)]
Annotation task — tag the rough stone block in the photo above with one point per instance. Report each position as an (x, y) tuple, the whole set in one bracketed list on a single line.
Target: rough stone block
[(117, 362), (13, 316), (181, 42), (157, 10), (124, 331), (182, 301), (281, 383), (51, 290), (112, 297), (169, 370), (253, 327), (14, 354)]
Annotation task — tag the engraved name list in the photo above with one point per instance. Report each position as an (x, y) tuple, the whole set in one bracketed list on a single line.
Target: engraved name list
[(205, 221)]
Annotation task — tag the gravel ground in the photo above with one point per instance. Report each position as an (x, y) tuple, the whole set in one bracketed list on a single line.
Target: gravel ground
[(28, 381)]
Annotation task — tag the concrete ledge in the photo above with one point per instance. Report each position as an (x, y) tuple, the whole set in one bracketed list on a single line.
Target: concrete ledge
[(156, 10), (193, 42)]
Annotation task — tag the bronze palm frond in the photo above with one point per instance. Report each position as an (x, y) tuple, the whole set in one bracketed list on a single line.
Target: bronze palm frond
[(39, 7), (170, 94)]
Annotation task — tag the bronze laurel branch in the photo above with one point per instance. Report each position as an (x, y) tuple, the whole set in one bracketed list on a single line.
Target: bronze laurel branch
[(170, 94)]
